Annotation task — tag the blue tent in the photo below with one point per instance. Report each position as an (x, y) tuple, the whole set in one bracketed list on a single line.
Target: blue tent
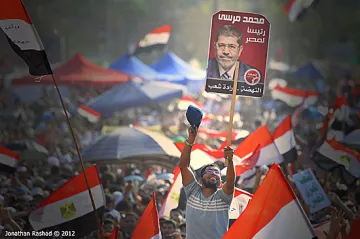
[(133, 66), (307, 71), (172, 64), (134, 94)]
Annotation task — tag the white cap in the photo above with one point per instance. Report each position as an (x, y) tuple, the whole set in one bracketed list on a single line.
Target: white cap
[(37, 191), (21, 169), (53, 161), (118, 197)]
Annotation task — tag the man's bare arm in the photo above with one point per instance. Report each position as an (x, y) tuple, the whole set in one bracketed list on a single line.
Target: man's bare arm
[(187, 175), (229, 185)]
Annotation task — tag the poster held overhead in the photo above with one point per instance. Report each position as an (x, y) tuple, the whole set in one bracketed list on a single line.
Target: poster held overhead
[(242, 37)]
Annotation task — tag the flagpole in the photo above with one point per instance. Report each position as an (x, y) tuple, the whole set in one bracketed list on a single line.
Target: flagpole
[(232, 108), (80, 158)]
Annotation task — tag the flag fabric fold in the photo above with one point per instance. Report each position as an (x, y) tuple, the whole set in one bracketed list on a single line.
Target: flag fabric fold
[(273, 212), (294, 97), (284, 139), (8, 160), (156, 39), (268, 152), (88, 113), (172, 198), (148, 225), (69, 208), (23, 37), (334, 157)]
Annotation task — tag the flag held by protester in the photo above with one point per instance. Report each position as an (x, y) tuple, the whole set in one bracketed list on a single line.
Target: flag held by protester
[(284, 139), (69, 208), (273, 212), (23, 38), (88, 113), (148, 225), (156, 39), (8, 160)]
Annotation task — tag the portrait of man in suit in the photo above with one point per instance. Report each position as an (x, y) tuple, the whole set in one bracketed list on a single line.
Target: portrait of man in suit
[(227, 48)]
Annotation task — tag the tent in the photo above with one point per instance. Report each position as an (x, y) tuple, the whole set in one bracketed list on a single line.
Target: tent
[(135, 94), (133, 66), (79, 71), (307, 71), (172, 64)]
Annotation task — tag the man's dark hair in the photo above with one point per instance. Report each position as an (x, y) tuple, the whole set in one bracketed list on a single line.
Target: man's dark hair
[(212, 165), (229, 31), (182, 225), (170, 221)]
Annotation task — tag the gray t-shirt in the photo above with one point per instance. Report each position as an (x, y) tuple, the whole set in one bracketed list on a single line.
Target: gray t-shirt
[(206, 218)]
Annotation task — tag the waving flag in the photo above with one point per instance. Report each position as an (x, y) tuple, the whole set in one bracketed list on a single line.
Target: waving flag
[(332, 156), (88, 113), (23, 38), (148, 225), (268, 152), (284, 139), (157, 38), (273, 212), (296, 8), (239, 203), (172, 197), (69, 207), (8, 160), (294, 97)]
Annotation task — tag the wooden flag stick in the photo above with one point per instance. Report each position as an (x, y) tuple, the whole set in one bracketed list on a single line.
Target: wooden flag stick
[(232, 108), (80, 158)]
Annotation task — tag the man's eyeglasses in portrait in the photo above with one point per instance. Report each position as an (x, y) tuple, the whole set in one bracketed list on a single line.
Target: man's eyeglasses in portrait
[(222, 46)]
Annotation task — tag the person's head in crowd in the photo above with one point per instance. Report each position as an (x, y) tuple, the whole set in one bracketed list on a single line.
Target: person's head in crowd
[(176, 215), (39, 182), (182, 228), (123, 206), (128, 222), (108, 226), (210, 176), (167, 227), (109, 200), (37, 194), (143, 204)]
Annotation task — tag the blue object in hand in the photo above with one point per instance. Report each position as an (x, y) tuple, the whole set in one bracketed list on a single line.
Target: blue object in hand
[(194, 116)]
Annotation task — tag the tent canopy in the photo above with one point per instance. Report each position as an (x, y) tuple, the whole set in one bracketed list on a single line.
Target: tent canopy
[(172, 64), (134, 94), (133, 66), (80, 72)]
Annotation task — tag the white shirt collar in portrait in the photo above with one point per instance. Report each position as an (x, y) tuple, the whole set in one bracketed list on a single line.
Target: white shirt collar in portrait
[(230, 72)]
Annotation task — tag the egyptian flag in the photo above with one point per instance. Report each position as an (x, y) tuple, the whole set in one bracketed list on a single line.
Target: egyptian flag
[(354, 230), (294, 97), (156, 39), (8, 160), (215, 153), (148, 225), (260, 141), (284, 139), (238, 204), (88, 113), (113, 234), (273, 212), (296, 8), (173, 195), (186, 101), (333, 156), (221, 135), (69, 208), (23, 38)]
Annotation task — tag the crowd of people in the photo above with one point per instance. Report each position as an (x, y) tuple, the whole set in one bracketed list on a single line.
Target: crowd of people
[(42, 122)]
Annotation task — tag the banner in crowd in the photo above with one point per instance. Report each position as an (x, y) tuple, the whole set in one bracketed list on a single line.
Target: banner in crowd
[(243, 37), (311, 191)]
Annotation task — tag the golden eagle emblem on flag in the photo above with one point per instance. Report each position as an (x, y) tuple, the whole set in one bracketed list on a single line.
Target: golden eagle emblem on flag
[(68, 210)]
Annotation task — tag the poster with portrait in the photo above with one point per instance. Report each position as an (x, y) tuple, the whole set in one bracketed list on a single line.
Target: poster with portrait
[(243, 37)]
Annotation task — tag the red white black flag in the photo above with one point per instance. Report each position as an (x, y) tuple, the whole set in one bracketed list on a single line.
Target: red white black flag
[(23, 38), (157, 38)]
